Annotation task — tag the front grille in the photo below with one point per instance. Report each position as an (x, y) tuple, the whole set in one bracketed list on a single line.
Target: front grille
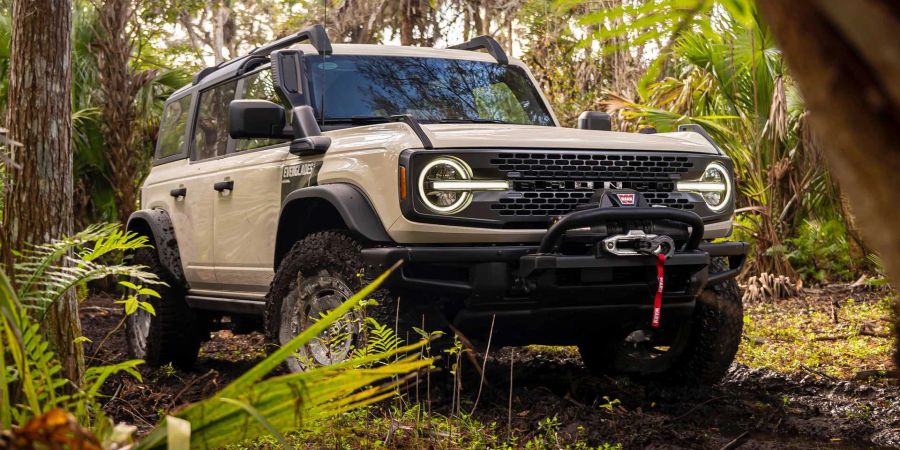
[(586, 166), (546, 184), (553, 184)]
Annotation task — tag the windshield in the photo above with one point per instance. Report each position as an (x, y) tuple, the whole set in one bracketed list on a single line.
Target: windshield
[(366, 88)]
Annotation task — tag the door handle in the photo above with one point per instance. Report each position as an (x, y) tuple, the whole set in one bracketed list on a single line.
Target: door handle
[(180, 192), (224, 186)]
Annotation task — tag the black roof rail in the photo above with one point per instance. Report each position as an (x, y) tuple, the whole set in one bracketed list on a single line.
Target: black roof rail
[(487, 43), (315, 34)]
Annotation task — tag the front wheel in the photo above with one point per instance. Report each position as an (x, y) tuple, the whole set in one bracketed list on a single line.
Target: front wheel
[(320, 273), (698, 351)]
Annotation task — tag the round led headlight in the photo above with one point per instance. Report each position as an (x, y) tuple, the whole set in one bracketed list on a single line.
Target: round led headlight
[(433, 189), (714, 186)]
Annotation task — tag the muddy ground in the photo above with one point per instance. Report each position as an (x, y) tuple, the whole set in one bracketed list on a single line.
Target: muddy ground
[(749, 409)]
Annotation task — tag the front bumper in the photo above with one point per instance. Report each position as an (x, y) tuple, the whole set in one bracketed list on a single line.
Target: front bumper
[(525, 286)]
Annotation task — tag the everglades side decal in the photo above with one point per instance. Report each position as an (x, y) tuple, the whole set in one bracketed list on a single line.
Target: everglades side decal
[(298, 176)]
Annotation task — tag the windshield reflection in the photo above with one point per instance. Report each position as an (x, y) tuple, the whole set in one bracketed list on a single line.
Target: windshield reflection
[(365, 88)]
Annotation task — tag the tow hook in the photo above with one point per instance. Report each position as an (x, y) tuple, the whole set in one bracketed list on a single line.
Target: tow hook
[(636, 242)]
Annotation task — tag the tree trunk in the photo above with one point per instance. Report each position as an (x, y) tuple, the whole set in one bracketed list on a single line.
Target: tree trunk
[(846, 59), (407, 21), (119, 84), (39, 196)]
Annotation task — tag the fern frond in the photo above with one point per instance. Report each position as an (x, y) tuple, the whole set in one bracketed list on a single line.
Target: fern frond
[(45, 272), (37, 259)]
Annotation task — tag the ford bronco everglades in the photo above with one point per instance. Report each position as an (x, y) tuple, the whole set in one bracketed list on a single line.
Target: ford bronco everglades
[(285, 179)]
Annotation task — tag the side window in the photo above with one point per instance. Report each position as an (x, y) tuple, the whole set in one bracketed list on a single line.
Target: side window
[(171, 128), (260, 86), (211, 132)]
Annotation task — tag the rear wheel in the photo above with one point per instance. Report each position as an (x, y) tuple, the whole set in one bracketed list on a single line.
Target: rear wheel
[(175, 333), (698, 351)]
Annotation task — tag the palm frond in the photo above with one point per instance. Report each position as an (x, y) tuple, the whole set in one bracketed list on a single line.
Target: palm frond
[(282, 403)]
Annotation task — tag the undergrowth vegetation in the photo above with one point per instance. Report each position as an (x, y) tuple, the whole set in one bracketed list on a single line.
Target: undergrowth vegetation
[(845, 338), (409, 427), (42, 408)]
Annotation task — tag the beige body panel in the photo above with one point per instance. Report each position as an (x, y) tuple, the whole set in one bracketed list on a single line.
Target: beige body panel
[(367, 157), (246, 219), (192, 216), (529, 136)]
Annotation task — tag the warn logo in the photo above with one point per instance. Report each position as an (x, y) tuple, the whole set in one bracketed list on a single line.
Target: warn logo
[(626, 199)]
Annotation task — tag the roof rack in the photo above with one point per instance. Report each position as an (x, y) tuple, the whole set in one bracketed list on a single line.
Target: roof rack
[(486, 43), (315, 34)]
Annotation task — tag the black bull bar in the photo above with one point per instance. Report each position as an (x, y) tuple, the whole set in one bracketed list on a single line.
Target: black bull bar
[(487, 265)]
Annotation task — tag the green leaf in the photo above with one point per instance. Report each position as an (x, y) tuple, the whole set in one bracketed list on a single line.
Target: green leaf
[(148, 291), (129, 285), (259, 418), (146, 306)]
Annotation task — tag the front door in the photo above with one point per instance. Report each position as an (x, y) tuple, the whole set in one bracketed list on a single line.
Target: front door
[(246, 217)]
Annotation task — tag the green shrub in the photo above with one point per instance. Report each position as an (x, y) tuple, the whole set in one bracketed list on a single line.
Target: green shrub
[(820, 252)]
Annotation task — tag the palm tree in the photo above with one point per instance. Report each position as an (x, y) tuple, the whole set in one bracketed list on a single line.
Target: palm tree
[(728, 75)]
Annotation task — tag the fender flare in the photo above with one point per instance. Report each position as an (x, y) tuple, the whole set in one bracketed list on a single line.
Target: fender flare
[(353, 207), (157, 224)]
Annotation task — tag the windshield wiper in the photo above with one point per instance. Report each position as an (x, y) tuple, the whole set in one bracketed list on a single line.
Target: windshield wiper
[(359, 119), (475, 120)]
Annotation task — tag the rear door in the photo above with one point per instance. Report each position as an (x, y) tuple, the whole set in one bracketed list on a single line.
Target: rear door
[(246, 218), (209, 145)]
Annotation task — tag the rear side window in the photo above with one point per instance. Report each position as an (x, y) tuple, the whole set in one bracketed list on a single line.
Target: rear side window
[(259, 86), (171, 128), (211, 131)]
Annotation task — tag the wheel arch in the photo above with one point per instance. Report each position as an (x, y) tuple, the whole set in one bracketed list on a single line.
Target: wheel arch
[(320, 208), (157, 226)]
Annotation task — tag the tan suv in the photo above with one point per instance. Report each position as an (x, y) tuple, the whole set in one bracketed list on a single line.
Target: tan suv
[(286, 178)]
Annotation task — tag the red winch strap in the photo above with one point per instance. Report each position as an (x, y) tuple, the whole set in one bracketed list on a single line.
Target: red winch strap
[(657, 299)]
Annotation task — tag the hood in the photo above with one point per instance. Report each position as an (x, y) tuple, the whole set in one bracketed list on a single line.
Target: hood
[(530, 136)]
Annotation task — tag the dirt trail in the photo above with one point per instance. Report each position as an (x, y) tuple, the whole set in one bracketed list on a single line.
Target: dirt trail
[(751, 408), (760, 408)]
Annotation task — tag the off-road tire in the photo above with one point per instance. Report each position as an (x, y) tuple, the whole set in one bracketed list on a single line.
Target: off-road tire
[(176, 332), (710, 341), (325, 260)]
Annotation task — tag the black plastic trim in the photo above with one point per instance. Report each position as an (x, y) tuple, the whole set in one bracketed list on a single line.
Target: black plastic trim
[(315, 34), (697, 128), (484, 43), (354, 208), (594, 216), (228, 305), (416, 127), (158, 224), (736, 252)]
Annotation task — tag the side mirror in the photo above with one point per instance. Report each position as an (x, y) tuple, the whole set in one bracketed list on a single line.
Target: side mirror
[(248, 119), (594, 120), (308, 139), (287, 77)]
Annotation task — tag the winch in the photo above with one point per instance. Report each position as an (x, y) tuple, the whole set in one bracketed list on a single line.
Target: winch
[(636, 242)]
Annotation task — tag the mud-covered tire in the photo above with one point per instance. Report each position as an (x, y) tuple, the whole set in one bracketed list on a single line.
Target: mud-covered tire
[(705, 345), (175, 333), (328, 262)]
